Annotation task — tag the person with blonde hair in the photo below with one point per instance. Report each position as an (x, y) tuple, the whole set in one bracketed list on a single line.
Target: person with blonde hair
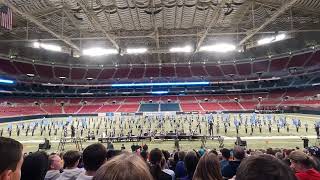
[(123, 167)]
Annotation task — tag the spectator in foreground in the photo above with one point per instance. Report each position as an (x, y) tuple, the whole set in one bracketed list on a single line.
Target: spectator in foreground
[(190, 162), (93, 157), (155, 159), (208, 168), (11, 159), (231, 169), (180, 169), (123, 167), (225, 157), (314, 153), (264, 167), (302, 164), (35, 166), (71, 161), (55, 165)]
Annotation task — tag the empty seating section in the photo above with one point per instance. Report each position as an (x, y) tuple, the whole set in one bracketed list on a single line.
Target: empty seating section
[(190, 107), (128, 108), (61, 72), (211, 107), (198, 70), (299, 60), (44, 71), (122, 73), (7, 67), (89, 109), (71, 109), (169, 107), (232, 106), (19, 111), (149, 107), (167, 71), (151, 98), (92, 73), (278, 64), (152, 72), (228, 69), (136, 73), (200, 103), (106, 74), (186, 98), (25, 68), (249, 105), (108, 108), (77, 73), (314, 60), (244, 69), (260, 66), (183, 71), (75, 100), (213, 70), (54, 109)]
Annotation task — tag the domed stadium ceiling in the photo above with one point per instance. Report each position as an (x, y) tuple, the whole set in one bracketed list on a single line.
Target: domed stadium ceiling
[(159, 25)]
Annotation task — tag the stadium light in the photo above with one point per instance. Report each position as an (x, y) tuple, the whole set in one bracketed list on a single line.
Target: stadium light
[(160, 84), (220, 48), (159, 92), (50, 47), (136, 50), (272, 39), (185, 49), (6, 81), (97, 51)]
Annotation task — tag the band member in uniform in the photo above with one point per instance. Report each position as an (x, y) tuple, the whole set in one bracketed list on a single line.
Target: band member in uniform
[(269, 127), (211, 128), (306, 126)]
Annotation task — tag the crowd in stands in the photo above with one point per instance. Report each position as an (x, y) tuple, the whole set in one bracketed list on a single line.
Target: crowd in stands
[(98, 162)]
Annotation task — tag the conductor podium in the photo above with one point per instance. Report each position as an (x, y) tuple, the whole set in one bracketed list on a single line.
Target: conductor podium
[(45, 146)]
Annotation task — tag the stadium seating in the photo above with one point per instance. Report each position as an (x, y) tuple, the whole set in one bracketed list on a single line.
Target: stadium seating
[(169, 107), (149, 107)]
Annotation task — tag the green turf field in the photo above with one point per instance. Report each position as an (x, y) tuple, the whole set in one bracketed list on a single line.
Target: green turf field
[(102, 126)]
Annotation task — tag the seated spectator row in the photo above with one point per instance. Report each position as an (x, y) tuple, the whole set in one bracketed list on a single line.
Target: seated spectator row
[(137, 72)]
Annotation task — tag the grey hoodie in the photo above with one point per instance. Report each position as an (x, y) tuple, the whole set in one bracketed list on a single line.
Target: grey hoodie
[(70, 174), (83, 176), (52, 175)]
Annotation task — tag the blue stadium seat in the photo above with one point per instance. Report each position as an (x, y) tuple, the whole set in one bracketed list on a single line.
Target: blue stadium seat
[(149, 108), (170, 107)]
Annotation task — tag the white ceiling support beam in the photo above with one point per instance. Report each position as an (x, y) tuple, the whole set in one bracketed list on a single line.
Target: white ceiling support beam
[(156, 32), (39, 24), (280, 11), (213, 22), (94, 20)]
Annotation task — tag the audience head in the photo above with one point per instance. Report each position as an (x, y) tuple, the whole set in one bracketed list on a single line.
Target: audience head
[(225, 153), (35, 166), (156, 160), (11, 159), (181, 155), (264, 167), (208, 168), (191, 162), (144, 155), (300, 161), (71, 159), (123, 167), (94, 156), (238, 153), (55, 162), (111, 153)]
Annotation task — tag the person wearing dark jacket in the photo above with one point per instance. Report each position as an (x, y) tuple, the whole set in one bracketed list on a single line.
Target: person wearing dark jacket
[(231, 169), (155, 159)]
